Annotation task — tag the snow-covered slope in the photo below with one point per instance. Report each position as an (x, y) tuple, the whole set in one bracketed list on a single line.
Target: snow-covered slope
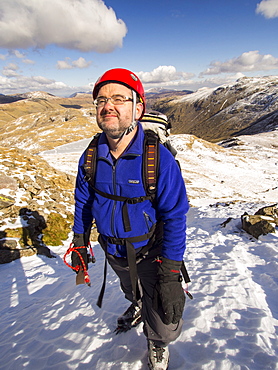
[(247, 172), (46, 322), (249, 105)]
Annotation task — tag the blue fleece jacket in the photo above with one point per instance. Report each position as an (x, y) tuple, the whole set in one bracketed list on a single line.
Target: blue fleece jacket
[(124, 178)]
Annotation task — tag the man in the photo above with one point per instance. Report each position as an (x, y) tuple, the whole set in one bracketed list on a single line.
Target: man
[(144, 241)]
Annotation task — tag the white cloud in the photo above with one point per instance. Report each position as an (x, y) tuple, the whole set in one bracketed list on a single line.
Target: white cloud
[(63, 64), (85, 25), (268, 8), (13, 82), (20, 56), (67, 64), (18, 83), (246, 62), (17, 53), (164, 75), (10, 70), (81, 63), (219, 80), (11, 66), (3, 57), (28, 61)]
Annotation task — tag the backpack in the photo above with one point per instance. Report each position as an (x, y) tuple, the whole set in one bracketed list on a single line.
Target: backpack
[(156, 129), (158, 123)]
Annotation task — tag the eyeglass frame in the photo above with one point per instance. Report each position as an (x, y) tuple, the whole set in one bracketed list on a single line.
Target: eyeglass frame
[(126, 98)]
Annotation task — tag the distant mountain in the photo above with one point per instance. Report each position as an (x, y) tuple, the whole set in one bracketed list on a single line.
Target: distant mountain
[(5, 99), (36, 95), (159, 90), (80, 93), (155, 95), (250, 105), (39, 121)]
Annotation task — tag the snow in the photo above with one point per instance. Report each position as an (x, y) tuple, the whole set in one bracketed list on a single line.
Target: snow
[(47, 322), (202, 93), (211, 173)]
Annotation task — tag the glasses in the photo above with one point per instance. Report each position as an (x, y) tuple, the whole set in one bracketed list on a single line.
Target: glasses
[(115, 100)]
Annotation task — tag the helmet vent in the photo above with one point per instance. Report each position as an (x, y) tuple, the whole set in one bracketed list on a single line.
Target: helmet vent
[(133, 77)]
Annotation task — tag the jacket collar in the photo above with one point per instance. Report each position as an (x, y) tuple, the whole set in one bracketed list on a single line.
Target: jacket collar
[(134, 148)]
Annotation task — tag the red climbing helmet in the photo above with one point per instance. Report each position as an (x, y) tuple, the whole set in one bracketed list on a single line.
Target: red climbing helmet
[(123, 77)]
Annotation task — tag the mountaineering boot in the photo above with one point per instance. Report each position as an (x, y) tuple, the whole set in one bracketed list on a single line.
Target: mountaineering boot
[(130, 318), (158, 357)]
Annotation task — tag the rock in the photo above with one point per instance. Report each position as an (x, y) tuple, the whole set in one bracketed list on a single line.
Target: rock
[(271, 211), (7, 182), (8, 244), (6, 201), (42, 182), (55, 195), (9, 255), (257, 225)]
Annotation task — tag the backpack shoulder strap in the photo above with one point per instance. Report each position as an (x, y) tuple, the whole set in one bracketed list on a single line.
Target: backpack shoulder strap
[(90, 160), (150, 162)]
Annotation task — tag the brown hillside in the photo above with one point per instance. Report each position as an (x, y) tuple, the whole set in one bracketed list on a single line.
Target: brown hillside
[(38, 124)]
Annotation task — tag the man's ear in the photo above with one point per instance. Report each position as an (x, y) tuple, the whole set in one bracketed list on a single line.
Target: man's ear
[(139, 110)]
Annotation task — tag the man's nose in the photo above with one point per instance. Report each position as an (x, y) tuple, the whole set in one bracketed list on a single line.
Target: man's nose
[(108, 104)]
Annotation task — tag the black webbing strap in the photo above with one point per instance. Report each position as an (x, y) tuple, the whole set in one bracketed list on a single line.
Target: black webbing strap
[(101, 293), (185, 273), (131, 259), (126, 201)]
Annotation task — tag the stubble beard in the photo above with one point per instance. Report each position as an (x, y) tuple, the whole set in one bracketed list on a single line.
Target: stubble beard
[(114, 131)]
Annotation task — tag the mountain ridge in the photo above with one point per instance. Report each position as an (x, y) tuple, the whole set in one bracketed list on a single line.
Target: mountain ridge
[(215, 114), (248, 106)]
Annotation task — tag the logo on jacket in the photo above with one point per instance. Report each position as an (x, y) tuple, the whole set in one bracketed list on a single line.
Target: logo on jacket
[(133, 181)]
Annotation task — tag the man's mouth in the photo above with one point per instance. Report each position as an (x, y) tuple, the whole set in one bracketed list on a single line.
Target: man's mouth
[(109, 115)]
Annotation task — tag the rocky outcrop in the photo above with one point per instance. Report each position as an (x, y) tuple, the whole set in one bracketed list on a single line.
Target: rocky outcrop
[(262, 222), (35, 205)]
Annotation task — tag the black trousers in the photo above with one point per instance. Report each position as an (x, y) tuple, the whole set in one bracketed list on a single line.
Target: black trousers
[(154, 328)]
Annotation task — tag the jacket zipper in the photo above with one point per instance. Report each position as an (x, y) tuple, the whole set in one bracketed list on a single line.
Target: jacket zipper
[(115, 202), (148, 220)]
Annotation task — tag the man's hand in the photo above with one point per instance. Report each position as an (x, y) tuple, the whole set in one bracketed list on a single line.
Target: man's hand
[(75, 259), (169, 292), (78, 242)]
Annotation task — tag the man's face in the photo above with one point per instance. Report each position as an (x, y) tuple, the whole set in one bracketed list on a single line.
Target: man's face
[(115, 119)]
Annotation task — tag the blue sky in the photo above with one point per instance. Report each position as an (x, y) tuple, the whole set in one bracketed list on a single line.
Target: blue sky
[(63, 46)]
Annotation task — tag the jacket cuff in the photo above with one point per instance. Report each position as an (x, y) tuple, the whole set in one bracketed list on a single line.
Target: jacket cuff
[(78, 240), (169, 267)]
